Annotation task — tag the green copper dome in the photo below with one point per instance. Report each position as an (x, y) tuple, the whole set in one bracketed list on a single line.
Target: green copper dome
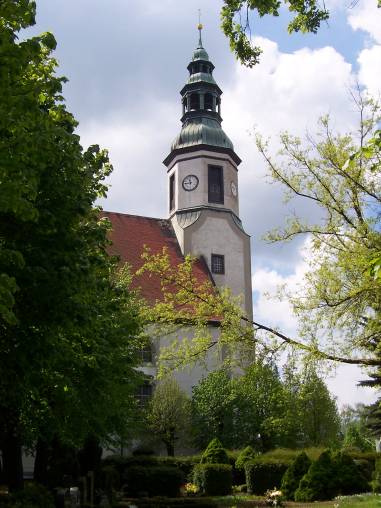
[(202, 131), (201, 77), (201, 102), (200, 54)]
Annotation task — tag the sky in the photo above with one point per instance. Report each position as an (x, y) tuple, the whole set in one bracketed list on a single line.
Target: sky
[(126, 63)]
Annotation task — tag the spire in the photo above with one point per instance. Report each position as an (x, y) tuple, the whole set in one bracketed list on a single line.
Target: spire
[(199, 27), (201, 107)]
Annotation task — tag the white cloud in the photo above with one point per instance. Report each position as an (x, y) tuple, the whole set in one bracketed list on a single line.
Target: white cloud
[(370, 69), (367, 17)]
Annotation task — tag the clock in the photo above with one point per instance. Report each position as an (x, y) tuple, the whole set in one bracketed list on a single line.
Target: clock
[(190, 182), (233, 188)]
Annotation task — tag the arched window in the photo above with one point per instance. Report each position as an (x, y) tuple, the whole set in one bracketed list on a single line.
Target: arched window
[(208, 102), (194, 101)]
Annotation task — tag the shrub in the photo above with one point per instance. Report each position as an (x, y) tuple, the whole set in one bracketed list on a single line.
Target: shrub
[(349, 477), (319, 483), (154, 481), (376, 482), (122, 464), (263, 474), (33, 496), (215, 453), (109, 480), (293, 475), (246, 454), (213, 479)]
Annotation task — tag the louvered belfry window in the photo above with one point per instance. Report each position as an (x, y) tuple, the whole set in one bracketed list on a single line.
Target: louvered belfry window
[(215, 185)]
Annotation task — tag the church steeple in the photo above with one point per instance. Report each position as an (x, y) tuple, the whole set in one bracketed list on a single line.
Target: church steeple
[(203, 190), (201, 109)]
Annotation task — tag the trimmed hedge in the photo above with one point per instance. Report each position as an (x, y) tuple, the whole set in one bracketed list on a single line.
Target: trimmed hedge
[(33, 495), (320, 483), (264, 474), (350, 478), (213, 479), (154, 481), (215, 453)]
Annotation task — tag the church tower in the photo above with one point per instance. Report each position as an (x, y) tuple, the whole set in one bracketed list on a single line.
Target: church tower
[(203, 184)]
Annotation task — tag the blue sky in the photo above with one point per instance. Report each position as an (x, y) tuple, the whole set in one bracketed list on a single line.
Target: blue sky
[(126, 63)]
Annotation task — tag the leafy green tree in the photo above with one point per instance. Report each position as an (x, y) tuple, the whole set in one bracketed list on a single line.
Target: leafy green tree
[(318, 414), (212, 408), (237, 25), (259, 407), (169, 413), (67, 317), (239, 16), (340, 297)]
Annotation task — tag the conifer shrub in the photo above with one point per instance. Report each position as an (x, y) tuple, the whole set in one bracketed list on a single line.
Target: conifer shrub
[(213, 479), (246, 454), (293, 475), (263, 474), (376, 481), (215, 453), (350, 478), (319, 483), (154, 481)]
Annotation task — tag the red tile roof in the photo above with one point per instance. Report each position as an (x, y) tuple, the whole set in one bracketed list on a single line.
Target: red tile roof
[(129, 235)]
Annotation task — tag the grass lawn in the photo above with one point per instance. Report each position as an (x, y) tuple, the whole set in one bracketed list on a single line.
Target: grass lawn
[(242, 501)]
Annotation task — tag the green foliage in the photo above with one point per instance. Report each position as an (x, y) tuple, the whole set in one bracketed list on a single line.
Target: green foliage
[(354, 438), (213, 479), (340, 298), (376, 481), (214, 453), (319, 484), (317, 412), (293, 475), (246, 454), (169, 413), (212, 408), (264, 473), (68, 319), (33, 496), (349, 477), (154, 481), (237, 19)]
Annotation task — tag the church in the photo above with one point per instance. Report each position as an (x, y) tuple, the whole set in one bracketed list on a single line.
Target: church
[(203, 207)]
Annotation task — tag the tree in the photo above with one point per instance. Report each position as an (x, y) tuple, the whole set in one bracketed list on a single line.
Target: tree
[(318, 415), (237, 22), (168, 413), (340, 297), (259, 407), (68, 320), (212, 408)]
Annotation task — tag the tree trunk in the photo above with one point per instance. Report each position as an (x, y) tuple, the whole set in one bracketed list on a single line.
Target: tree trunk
[(41, 462), (12, 462)]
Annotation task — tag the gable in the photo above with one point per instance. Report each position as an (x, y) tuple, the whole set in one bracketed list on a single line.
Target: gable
[(131, 233)]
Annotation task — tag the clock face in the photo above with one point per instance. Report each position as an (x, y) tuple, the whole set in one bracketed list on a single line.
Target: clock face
[(233, 189), (190, 182)]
